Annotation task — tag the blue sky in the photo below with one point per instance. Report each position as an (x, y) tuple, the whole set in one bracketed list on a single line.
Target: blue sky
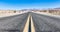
[(28, 4)]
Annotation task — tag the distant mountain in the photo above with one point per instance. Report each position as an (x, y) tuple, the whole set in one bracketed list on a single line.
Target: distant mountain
[(30, 9), (56, 8)]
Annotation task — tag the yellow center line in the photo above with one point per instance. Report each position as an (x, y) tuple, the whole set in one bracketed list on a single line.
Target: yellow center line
[(26, 28), (32, 25), (26, 25)]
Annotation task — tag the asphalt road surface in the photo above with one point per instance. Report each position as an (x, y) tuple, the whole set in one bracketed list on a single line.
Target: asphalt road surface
[(13, 23), (43, 23)]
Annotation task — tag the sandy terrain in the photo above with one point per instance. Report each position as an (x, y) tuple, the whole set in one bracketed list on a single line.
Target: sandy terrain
[(9, 14), (48, 14)]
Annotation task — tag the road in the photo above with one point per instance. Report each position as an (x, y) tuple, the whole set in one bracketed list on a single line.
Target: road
[(13, 23), (44, 23)]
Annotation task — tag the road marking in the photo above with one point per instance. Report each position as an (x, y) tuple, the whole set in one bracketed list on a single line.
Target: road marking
[(32, 25), (26, 28), (26, 25)]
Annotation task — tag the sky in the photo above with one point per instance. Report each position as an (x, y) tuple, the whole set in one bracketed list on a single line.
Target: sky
[(28, 4)]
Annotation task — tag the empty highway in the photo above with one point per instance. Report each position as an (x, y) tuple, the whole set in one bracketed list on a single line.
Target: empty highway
[(41, 23), (13, 23), (44, 23)]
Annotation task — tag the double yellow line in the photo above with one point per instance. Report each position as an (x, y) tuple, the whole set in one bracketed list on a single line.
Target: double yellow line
[(26, 28), (32, 25)]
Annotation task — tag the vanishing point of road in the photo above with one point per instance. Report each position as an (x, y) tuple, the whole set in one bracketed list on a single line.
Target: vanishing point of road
[(30, 22)]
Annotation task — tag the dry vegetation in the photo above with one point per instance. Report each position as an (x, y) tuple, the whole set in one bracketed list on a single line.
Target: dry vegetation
[(4, 13), (55, 12), (8, 11)]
